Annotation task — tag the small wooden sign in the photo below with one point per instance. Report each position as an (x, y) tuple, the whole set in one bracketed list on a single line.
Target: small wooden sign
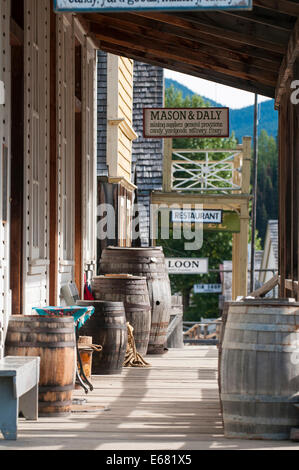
[(164, 123), (157, 5), (207, 289)]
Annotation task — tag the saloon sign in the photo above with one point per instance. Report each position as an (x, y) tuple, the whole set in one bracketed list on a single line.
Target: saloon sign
[(185, 122), (127, 5), (187, 265)]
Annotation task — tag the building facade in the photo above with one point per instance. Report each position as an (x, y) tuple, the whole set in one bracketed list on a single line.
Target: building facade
[(48, 158)]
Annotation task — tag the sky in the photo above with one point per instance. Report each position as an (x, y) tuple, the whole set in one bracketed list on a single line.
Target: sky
[(226, 96)]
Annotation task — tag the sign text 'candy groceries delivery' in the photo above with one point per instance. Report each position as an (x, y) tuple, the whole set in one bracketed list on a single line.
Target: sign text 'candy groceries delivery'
[(158, 5)]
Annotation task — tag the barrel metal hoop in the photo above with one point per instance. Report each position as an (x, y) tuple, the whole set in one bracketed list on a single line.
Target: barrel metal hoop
[(56, 388), (22, 344), (114, 327), (229, 397), (262, 327), (56, 404), (51, 331), (129, 306), (227, 345), (260, 420)]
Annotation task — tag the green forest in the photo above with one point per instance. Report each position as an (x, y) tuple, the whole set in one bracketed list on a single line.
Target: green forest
[(217, 246)]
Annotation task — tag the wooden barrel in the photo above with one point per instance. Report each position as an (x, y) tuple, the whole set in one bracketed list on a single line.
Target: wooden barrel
[(108, 327), (53, 340), (133, 292), (260, 369), (149, 263)]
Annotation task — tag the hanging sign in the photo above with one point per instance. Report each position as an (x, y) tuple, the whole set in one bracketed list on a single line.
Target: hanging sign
[(187, 265), (185, 122), (131, 5), (207, 289), (204, 216)]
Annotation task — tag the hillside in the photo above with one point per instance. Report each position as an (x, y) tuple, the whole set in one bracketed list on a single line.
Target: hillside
[(241, 120)]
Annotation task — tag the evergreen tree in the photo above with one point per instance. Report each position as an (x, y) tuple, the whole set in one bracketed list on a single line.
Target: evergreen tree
[(267, 182)]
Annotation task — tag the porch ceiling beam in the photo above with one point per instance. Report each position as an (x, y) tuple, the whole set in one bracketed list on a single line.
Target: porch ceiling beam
[(238, 26), (196, 71), (279, 6), (212, 24), (231, 200), (175, 50), (204, 45), (286, 69), (265, 17)]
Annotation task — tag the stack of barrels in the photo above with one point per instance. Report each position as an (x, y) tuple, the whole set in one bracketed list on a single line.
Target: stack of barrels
[(133, 287), (147, 264)]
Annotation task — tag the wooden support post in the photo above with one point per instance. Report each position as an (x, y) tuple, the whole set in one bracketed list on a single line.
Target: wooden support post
[(246, 169), (240, 255), (167, 166), (235, 267), (243, 257)]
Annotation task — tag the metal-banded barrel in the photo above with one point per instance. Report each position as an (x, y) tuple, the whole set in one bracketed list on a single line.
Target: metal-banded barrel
[(133, 292), (53, 340), (108, 327), (260, 369), (149, 263)]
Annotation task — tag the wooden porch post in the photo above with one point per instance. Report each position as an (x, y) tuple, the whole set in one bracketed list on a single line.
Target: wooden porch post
[(167, 167)]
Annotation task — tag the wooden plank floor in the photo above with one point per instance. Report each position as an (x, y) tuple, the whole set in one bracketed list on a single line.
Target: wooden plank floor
[(173, 405)]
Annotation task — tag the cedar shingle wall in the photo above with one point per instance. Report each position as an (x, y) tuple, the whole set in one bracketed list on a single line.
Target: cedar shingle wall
[(147, 153)]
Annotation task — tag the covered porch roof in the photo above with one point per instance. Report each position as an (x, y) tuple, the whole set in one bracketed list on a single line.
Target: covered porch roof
[(253, 50)]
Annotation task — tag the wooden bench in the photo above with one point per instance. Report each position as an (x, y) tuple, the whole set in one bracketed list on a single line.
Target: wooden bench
[(19, 377)]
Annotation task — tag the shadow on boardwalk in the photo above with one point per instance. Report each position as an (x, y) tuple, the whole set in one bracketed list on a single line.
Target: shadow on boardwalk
[(173, 405)]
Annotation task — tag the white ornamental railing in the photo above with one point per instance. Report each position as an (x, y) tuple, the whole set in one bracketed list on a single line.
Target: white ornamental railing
[(208, 174)]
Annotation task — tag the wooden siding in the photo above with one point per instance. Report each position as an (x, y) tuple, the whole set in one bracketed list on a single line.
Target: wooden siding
[(36, 154), (119, 116), (89, 179), (66, 154)]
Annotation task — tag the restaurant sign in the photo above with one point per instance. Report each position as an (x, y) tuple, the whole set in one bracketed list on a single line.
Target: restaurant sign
[(131, 5), (185, 122), (203, 216)]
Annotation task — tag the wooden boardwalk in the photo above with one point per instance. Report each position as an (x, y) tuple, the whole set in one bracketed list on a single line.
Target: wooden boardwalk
[(173, 405)]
